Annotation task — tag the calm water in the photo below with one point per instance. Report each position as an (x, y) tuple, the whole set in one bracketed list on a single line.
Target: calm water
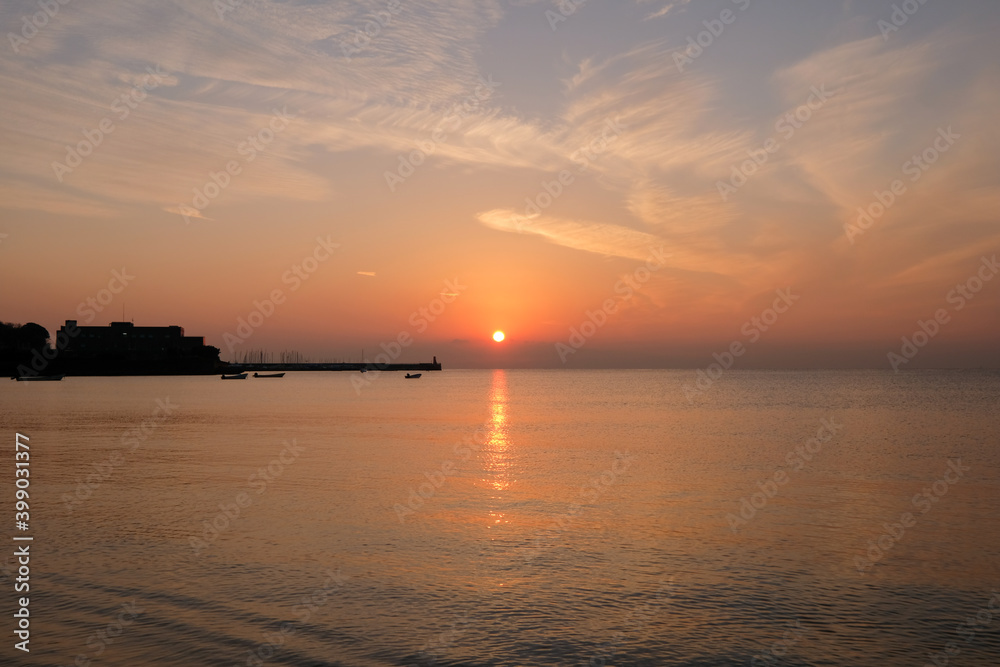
[(510, 518)]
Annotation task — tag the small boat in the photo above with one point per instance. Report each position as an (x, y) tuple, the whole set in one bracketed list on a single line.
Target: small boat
[(39, 378), (237, 376), (269, 375), (413, 376)]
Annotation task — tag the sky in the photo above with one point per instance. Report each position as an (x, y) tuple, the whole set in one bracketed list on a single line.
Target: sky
[(638, 183)]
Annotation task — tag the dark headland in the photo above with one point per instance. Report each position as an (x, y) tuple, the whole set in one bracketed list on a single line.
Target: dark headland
[(121, 348)]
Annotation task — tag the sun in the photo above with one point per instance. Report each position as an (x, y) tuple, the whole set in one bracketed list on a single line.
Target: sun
[(498, 336)]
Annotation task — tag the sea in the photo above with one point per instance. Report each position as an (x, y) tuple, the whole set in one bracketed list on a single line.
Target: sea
[(505, 517)]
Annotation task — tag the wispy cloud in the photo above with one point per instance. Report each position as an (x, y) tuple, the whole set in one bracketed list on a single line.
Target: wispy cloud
[(596, 237), (666, 9), (186, 212)]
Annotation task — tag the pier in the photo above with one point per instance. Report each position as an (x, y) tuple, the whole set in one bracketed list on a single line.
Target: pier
[(356, 366)]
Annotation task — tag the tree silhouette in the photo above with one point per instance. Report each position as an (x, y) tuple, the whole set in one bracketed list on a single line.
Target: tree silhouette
[(33, 336), (23, 337)]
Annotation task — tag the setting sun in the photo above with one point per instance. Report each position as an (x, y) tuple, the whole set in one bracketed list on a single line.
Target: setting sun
[(498, 336)]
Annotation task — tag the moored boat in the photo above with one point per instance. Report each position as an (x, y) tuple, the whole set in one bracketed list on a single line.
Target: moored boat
[(237, 376), (413, 376), (269, 375), (39, 378)]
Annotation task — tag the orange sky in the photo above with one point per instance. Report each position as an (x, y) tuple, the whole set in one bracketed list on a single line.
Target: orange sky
[(619, 136)]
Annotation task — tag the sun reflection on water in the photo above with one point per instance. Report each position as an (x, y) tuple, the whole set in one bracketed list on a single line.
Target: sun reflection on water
[(496, 452)]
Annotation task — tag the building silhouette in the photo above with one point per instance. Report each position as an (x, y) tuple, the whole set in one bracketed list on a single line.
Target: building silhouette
[(121, 348)]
